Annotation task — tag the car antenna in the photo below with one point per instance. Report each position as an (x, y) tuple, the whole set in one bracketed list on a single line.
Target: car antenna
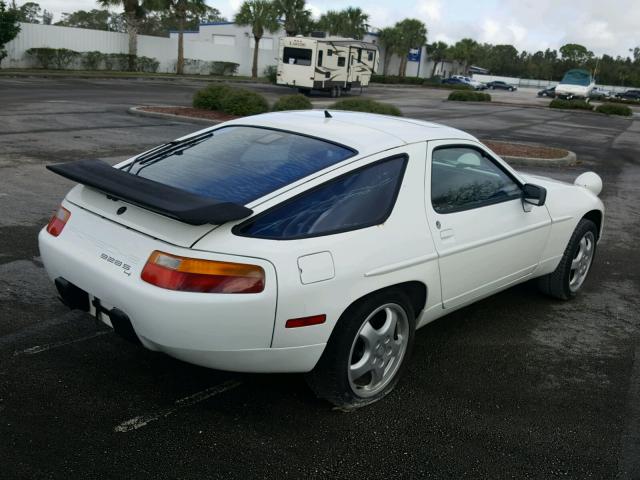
[(327, 114)]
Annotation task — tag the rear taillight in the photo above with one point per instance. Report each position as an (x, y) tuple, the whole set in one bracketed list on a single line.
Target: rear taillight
[(195, 275), (58, 221)]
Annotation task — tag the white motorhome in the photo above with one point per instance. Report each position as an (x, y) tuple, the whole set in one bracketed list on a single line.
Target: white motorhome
[(576, 83), (335, 65)]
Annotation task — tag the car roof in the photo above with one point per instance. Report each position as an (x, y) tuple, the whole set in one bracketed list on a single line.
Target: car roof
[(367, 133)]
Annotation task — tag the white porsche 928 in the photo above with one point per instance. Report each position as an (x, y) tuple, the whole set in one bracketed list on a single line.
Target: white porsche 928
[(311, 242)]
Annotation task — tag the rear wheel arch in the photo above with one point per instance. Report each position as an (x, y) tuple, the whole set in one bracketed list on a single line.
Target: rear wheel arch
[(415, 290)]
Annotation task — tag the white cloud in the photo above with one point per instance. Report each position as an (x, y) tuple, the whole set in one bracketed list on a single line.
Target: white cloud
[(431, 9)]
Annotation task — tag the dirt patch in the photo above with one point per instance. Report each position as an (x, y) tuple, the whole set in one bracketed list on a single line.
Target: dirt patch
[(523, 150), (191, 112)]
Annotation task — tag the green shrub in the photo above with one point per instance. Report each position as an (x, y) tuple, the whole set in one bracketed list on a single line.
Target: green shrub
[(210, 97), (230, 100), (395, 79), (292, 102), (62, 57), (570, 104), (614, 109), (92, 60), (271, 72), (147, 64), (117, 61), (224, 68), (43, 56), (366, 105), (240, 101), (469, 96)]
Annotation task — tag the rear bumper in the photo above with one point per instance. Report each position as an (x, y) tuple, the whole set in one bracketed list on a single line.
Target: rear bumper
[(224, 331)]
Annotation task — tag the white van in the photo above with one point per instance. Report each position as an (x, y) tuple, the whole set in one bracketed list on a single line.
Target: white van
[(335, 65)]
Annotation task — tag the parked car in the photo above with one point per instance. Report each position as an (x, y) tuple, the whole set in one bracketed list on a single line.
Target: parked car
[(547, 92), (500, 85), (310, 241), (630, 94), (454, 81), (599, 93), (476, 85)]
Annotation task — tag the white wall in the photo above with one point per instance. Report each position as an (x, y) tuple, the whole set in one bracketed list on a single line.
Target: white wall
[(165, 50)]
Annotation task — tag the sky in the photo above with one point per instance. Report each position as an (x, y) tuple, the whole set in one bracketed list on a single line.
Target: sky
[(602, 26)]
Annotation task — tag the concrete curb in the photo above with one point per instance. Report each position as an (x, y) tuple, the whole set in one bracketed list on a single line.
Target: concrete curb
[(168, 78), (570, 159), (137, 111)]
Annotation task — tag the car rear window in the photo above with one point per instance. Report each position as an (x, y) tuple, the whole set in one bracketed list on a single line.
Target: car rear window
[(358, 199), (241, 164)]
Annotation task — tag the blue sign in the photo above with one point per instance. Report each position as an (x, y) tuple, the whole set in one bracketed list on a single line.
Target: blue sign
[(414, 54)]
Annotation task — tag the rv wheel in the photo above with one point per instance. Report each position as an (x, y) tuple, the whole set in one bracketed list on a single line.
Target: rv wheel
[(334, 92)]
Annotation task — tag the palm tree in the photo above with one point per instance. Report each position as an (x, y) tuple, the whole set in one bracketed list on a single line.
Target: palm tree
[(465, 51), (388, 38), (180, 9), (134, 11), (260, 15), (413, 34), (297, 19), (438, 53), (355, 23), (350, 22)]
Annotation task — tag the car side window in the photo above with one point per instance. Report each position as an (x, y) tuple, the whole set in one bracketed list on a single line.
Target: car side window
[(463, 178), (358, 199)]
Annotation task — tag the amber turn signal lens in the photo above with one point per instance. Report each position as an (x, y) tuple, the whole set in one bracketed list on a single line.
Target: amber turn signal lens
[(197, 275)]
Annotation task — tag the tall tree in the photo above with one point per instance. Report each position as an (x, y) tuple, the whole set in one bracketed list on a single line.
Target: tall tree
[(180, 10), (29, 12), (297, 18), (134, 11), (47, 17), (575, 54), (261, 16), (438, 53), (9, 27), (351, 22), (465, 51), (413, 34), (389, 38), (93, 19)]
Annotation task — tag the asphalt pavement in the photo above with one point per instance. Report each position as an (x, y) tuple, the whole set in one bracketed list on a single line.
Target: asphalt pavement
[(515, 386)]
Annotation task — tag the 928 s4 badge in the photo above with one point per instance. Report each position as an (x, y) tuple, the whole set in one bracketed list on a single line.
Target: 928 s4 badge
[(126, 269)]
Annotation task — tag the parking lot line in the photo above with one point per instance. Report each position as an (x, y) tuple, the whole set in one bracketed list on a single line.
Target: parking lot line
[(49, 346), (142, 420)]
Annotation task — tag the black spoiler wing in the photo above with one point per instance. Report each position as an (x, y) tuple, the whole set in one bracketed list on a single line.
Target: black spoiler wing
[(157, 197)]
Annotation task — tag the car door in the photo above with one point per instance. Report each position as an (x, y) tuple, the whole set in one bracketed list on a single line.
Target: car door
[(485, 238)]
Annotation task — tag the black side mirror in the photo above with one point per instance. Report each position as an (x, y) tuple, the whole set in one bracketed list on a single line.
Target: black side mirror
[(533, 194)]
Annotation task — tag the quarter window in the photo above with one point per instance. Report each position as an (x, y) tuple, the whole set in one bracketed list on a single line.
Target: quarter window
[(463, 178), (297, 56), (358, 199)]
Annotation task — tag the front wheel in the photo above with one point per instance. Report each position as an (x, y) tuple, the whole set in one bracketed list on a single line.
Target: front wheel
[(367, 351), (567, 279)]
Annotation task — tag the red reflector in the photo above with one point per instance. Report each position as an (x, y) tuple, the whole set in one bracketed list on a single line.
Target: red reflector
[(305, 321), (58, 221)]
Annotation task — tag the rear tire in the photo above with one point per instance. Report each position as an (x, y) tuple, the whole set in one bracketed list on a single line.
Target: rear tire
[(367, 351), (567, 279)]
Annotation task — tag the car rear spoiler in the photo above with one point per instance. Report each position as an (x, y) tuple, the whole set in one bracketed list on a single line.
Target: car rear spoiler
[(159, 198)]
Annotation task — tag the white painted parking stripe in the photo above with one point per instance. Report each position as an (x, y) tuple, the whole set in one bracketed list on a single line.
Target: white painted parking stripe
[(140, 421), (49, 346)]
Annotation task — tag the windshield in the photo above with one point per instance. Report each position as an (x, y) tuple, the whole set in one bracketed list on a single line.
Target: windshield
[(577, 77), (241, 164)]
